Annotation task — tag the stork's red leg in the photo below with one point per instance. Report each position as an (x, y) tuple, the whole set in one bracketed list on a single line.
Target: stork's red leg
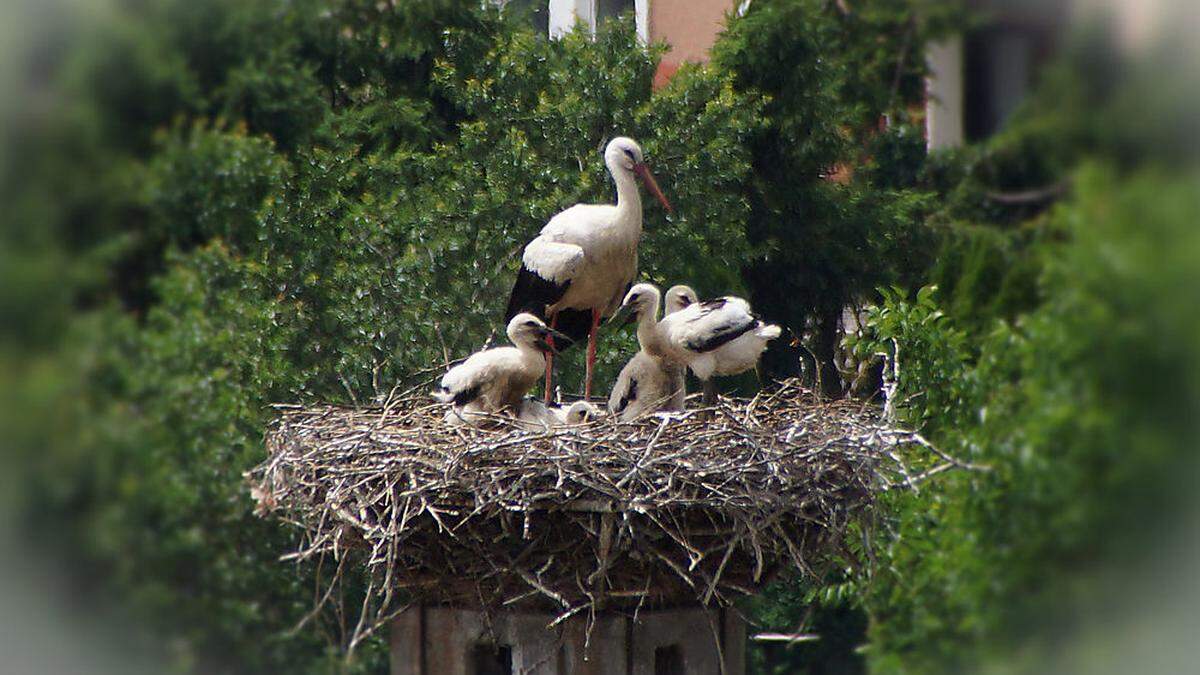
[(591, 355), (550, 357)]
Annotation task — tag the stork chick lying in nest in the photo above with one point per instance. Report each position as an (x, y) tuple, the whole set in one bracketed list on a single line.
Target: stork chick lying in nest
[(535, 415)]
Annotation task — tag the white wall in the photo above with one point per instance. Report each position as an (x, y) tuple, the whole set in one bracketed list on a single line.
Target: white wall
[(944, 92), (565, 13)]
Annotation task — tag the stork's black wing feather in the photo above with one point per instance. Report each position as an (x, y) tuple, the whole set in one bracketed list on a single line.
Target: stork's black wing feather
[(466, 396), (722, 334), (574, 323), (707, 307), (628, 397), (532, 293)]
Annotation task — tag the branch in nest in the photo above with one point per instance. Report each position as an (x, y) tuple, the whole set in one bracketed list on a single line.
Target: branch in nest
[(1030, 197)]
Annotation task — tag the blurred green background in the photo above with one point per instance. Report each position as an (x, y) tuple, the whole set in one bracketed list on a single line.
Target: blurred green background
[(213, 205)]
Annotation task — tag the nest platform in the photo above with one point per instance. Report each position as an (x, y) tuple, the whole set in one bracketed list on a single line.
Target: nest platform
[(686, 509)]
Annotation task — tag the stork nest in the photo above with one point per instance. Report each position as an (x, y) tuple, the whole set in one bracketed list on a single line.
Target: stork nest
[(699, 507)]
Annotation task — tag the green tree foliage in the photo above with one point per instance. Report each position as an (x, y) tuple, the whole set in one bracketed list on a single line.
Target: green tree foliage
[(1077, 407), (826, 244), (1041, 349), (252, 202), (326, 205)]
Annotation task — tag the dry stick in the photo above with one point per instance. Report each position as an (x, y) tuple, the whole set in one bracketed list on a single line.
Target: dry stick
[(642, 599), (712, 624), (566, 615), (712, 586), (320, 603), (528, 578), (363, 615), (920, 440)]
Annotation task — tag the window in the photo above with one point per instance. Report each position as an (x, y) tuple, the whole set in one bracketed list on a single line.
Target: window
[(491, 659), (668, 660), (538, 12), (608, 9), (563, 15), (999, 69), (1003, 55)]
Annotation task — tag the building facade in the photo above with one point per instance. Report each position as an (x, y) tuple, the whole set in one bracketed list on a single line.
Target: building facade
[(688, 27), (976, 80)]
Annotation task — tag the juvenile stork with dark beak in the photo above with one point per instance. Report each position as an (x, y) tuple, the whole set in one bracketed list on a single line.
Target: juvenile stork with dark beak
[(650, 381), (577, 270), (495, 380), (716, 337)]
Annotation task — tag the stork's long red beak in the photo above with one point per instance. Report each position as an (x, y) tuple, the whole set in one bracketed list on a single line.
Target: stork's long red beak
[(651, 185)]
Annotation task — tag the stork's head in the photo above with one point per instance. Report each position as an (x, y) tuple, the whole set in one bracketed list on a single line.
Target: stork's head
[(624, 155), (580, 412), (526, 330), (679, 297), (641, 302)]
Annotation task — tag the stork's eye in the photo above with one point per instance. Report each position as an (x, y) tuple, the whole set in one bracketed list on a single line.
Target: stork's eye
[(630, 153), (531, 324)]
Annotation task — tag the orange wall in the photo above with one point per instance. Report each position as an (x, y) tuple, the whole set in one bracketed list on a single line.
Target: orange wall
[(689, 26)]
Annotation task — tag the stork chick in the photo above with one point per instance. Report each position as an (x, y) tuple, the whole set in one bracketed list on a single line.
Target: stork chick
[(496, 379), (650, 381), (723, 335), (579, 412), (534, 415)]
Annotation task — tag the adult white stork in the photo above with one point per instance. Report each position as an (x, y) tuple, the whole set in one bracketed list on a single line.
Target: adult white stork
[(575, 272), (650, 381), (715, 337), (496, 379)]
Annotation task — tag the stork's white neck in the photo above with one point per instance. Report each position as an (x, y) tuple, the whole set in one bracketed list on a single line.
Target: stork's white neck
[(647, 329), (628, 198), (531, 354)]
